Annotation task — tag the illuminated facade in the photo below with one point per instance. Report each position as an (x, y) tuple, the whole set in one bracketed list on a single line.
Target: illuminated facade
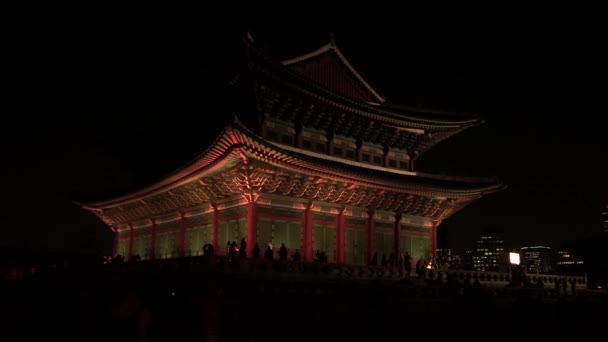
[(538, 259), (322, 163), (489, 254), (568, 263), (444, 254)]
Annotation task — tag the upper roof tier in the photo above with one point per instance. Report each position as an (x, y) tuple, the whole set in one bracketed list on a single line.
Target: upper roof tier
[(328, 66), (322, 90)]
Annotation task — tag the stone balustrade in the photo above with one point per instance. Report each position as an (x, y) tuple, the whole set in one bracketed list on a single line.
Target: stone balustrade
[(290, 269)]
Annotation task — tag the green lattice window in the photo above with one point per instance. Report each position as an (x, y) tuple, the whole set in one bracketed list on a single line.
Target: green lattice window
[(197, 237), (384, 244), (324, 239), (355, 248), (229, 231)]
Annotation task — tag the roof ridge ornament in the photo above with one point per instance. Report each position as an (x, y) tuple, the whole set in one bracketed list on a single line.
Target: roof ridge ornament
[(332, 39)]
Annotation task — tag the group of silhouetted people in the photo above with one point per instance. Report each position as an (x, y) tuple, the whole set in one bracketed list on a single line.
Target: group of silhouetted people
[(234, 250)]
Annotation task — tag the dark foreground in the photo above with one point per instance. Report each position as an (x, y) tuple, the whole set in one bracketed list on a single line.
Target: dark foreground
[(99, 306)]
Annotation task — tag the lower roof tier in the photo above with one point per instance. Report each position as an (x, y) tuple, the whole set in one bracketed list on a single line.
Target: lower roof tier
[(242, 163)]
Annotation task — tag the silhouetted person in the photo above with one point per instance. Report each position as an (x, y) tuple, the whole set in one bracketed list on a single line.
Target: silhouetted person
[(256, 251), (418, 267), (407, 263), (283, 252), (210, 249), (268, 253), (296, 256), (374, 261), (243, 248), (539, 283), (573, 286), (384, 262), (232, 250), (321, 257), (118, 259), (228, 246)]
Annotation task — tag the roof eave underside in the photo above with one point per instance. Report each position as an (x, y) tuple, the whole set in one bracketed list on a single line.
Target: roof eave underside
[(234, 138)]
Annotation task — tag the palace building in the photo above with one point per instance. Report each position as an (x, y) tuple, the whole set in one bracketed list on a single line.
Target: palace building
[(323, 162)]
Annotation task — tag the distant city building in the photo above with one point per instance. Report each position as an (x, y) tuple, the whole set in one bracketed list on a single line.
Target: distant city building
[(605, 219), (568, 264), (537, 259), (489, 254), (444, 254), (467, 261)]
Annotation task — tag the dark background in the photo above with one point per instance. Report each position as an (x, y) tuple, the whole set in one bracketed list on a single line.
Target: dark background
[(89, 113)]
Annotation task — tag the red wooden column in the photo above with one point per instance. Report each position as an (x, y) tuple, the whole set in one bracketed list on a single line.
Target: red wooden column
[(340, 243), (130, 250), (181, 246), (153, 241), (396, 237), (371, 234), (252, 227), (307, 245), (216, 229)]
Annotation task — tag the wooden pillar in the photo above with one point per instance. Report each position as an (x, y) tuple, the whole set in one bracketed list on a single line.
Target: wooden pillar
[(371, 234), (330, 144), (153, 241), (216, 229), (385, 156), (252, 227), (181, 246), (396, 235), (131, 237), (411, 163), (340, 243), (307, 243)]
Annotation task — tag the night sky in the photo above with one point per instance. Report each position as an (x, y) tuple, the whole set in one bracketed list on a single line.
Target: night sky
[(92, 114)]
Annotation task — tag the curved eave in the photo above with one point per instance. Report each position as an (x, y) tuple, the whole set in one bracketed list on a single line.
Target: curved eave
[(290, 78), (237, 142), (331, 47)]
